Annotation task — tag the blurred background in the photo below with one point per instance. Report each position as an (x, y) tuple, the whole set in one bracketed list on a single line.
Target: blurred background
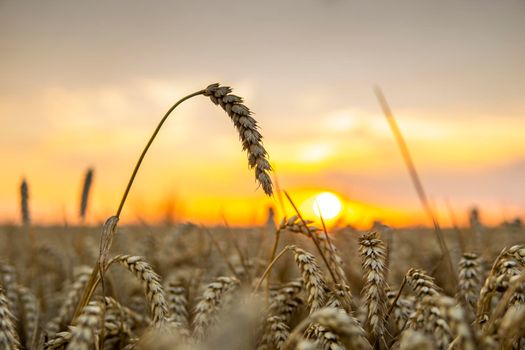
[(83, 84)]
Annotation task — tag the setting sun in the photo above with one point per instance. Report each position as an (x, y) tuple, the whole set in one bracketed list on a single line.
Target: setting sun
[(327, 205)]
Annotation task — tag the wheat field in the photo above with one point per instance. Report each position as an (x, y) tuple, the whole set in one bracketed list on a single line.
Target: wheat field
[(262, 175), (188, 287), (287, 285)]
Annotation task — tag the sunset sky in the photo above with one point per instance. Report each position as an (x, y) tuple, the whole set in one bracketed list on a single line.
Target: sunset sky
[(83, 84)]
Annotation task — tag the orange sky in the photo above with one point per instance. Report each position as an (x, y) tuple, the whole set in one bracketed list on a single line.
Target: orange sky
[(85, 84)]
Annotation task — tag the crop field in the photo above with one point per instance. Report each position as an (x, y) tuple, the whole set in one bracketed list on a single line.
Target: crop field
[(262, 175), (286, 285), (188, 287)]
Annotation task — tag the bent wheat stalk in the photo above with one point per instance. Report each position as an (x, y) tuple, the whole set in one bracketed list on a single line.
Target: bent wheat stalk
[(270, 265), (251, 141)]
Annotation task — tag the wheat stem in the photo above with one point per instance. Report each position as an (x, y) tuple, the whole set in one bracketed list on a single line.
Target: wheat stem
[(269, 268), (398, 295), (272, 257), (312, 236), (416, 181), (145, 150)]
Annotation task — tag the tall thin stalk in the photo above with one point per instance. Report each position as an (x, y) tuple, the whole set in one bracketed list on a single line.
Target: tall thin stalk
[(416, 180)]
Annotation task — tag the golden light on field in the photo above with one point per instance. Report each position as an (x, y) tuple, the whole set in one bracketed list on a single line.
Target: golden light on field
[(327, 205)]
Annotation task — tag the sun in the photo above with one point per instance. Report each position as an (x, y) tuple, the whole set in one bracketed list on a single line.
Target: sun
[(327, 205)]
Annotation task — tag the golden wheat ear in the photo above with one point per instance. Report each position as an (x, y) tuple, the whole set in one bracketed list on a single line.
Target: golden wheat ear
[(373, 261), (84, 198), (248, 131), (24, 203)]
